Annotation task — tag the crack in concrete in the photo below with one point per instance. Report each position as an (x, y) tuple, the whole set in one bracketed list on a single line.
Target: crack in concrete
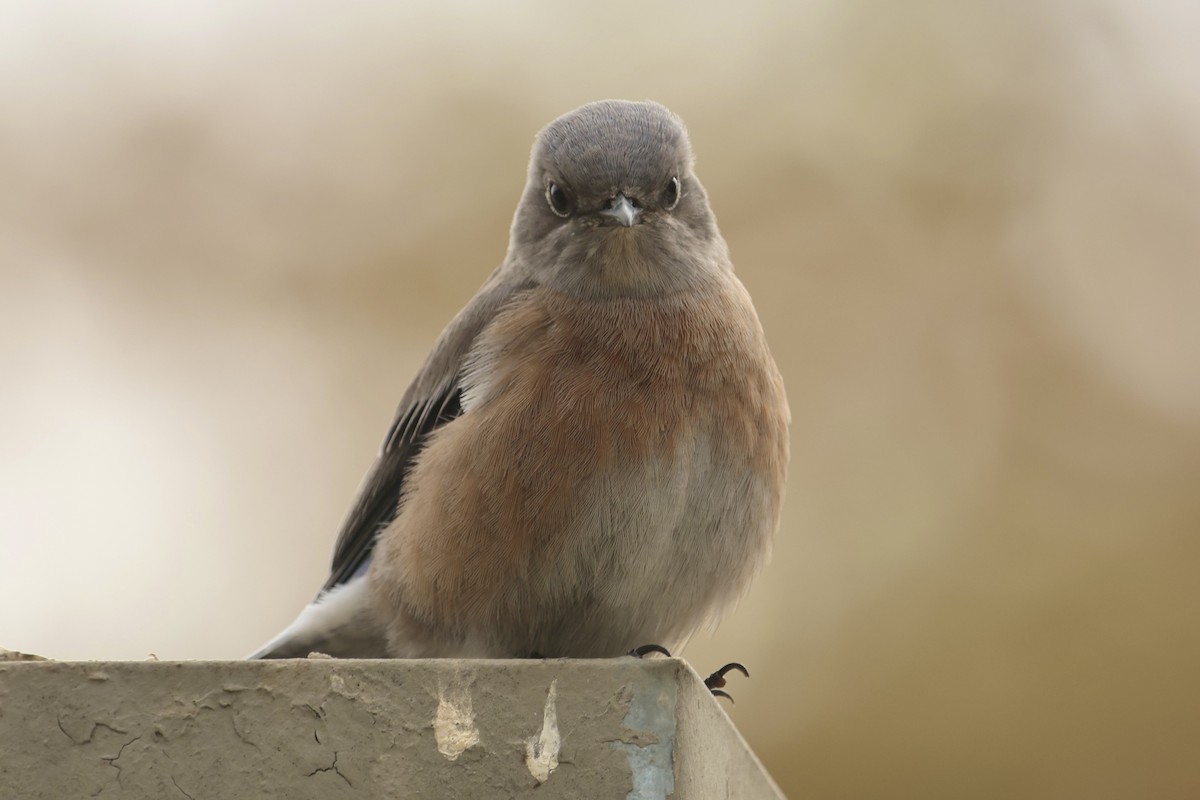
[(180, 788), (91, 733), (333, 768), (112, 760), (233, 722), (58, 719)]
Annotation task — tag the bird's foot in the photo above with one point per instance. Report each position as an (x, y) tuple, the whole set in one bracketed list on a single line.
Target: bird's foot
[(716, 681), (640, 652)]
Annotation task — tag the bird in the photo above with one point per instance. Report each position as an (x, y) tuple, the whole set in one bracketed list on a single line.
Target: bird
[(593, 455)]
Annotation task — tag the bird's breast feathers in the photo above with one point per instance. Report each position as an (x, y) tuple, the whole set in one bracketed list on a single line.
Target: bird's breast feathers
[(592, 429)]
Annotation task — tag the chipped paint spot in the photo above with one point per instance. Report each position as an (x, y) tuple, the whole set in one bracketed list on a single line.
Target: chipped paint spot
[(541, 751), (454, 723), (651, 719)]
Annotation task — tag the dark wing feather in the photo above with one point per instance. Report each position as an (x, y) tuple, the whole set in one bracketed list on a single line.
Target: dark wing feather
[(379, 500), (433, 399)]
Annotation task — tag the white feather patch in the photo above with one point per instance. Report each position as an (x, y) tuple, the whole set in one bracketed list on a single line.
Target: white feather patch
[(332, 610)]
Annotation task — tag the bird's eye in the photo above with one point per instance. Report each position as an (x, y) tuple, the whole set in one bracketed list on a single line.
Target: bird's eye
[(671, 194), (560, 204)]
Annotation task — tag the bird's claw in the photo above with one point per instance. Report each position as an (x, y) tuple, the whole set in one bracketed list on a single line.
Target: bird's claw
[(639, 652), (716, 681)]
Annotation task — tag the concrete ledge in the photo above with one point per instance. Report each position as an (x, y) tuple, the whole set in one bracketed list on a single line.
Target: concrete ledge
[(325, 728)]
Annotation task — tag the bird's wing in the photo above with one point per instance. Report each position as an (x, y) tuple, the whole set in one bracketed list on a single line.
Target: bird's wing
[(433, 399)]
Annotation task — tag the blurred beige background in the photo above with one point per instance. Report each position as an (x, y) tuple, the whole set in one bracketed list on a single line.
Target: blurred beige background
[(230, 231)]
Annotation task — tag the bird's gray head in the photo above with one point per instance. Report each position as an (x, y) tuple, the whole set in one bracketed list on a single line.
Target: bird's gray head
[(613, 207)]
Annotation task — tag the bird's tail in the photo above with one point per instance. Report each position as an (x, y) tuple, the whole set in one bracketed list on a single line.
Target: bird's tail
[(338, 623)]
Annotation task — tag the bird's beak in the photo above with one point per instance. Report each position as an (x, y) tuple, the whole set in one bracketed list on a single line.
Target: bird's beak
[(622, 210)]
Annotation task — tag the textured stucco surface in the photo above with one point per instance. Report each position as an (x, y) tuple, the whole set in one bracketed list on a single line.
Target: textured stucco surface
[(323, 728)]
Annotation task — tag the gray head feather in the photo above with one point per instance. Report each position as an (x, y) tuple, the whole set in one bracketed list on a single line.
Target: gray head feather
[(585, 162)]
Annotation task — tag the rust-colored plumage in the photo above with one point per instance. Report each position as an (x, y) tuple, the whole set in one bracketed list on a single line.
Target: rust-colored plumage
[(593, 457)]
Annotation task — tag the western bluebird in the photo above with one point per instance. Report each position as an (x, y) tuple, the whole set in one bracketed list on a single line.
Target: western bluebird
[(593, 456)]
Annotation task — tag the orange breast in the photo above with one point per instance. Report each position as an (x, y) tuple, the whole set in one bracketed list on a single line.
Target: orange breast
[(568, 392)]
